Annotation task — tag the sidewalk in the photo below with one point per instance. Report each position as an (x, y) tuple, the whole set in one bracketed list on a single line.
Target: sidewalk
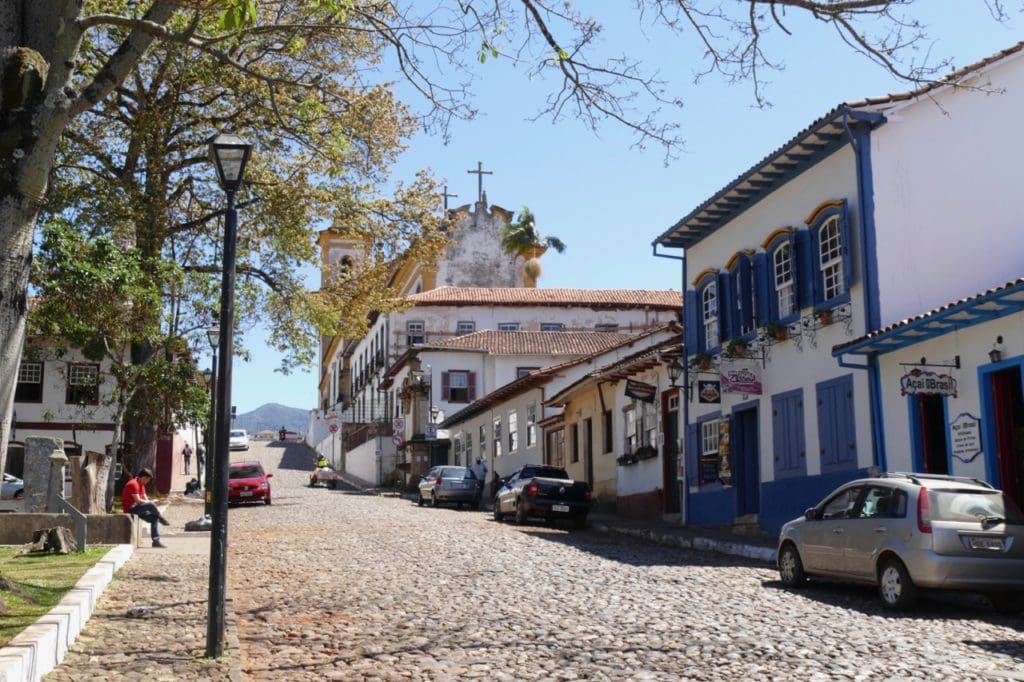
[(151, 622), (721, 540)]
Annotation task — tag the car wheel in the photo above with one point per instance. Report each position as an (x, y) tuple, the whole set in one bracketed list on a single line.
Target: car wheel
[(433, 500), (334, 484), (18, 494), (419, 499), (520, 514), (1007, 603), (267, 501), (895, 586), (498, 516), (791, 568), (476, 505), (312, 483)]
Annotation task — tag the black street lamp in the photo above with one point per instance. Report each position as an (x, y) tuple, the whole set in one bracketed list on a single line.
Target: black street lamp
[(229, 154), (675, 370)]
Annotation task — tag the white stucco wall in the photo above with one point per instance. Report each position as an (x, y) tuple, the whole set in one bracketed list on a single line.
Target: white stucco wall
[(790, 365), (946, 184)]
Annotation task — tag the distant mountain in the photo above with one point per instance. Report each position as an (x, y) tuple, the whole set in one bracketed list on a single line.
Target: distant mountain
[(273, 416)]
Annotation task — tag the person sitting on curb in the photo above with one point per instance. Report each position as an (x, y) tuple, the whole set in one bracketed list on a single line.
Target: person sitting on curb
[(135, 502)]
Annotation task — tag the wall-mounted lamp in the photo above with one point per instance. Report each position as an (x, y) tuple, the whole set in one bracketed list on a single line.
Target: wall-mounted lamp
[(434, 411), (675, 370), (996, 354)]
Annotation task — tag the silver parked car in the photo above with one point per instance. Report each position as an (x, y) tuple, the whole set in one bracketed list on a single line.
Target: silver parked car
[(13, 488), (905, 531), (451, 484)]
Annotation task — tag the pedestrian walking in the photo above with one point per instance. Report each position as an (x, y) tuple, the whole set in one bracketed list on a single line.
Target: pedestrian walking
[(186, 454), (480, 470), (135, 502), (201, 457)]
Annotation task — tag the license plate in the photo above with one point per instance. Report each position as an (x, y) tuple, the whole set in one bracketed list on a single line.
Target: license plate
[(995, 544), (245, 494), (560, 507)]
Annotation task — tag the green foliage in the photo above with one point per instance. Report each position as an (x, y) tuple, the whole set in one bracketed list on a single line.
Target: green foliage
[(521, 237)]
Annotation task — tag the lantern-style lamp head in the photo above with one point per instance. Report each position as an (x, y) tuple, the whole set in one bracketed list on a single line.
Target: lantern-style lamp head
[(230, 154), (213, 335), (208, 376), (675, 370), (434, 411)]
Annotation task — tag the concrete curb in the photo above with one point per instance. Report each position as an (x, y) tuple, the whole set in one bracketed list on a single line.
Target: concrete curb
[(764, 554), (39, 648)]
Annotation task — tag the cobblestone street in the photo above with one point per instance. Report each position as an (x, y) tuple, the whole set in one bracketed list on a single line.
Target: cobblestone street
[(340, 585)]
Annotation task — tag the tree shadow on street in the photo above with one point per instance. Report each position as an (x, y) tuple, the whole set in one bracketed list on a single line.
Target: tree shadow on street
[(632, 551)]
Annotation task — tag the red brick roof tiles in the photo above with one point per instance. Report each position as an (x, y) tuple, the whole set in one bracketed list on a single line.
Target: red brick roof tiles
[(524, 296)]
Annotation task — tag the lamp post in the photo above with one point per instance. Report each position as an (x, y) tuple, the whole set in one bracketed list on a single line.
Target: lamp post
[(229, 154), (675, 370), (213, 336)]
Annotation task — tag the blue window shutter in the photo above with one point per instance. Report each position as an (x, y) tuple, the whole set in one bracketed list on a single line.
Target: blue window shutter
[(836, 430), (691, 317), (788, 434), (692, 454), (746, 283), (726, 306), (762, 287), (805, 268), (847, 239)]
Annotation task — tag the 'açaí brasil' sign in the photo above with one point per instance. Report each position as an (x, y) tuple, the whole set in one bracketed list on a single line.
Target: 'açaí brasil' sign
[(923, 382)]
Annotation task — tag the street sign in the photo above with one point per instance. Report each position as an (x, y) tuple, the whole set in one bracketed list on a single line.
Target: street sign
[(333, 428), (431, 432)]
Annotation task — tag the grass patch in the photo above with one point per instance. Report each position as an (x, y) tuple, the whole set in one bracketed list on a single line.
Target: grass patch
[(39, 582)]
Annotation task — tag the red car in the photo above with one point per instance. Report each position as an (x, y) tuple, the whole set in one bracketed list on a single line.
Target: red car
[(248, 482)]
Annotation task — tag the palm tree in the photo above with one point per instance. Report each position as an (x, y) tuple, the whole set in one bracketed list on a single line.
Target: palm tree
[(521, 239)]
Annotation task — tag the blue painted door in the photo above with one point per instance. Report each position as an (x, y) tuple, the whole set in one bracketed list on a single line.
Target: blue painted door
[(837, 437), (746, 454), (790, 454)]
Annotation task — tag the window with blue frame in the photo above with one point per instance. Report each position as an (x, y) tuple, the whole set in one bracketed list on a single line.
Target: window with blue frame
[(739, 322), (778, 277), (830, 268), (783, 283), (837, 435)]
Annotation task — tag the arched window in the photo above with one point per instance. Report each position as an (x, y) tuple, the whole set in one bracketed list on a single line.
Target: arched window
[(783, 284), (830, 252)]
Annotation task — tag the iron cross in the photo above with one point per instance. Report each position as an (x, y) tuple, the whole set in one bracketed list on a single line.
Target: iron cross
[(480, 173), (445, 196)]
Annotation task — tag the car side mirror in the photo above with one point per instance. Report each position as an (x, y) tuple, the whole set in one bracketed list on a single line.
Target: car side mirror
[(811, 514), (270, 475)]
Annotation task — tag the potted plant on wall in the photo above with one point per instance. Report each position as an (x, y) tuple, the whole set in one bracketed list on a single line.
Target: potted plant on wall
[(737, 348), (701, 360), (776, 331), (824, 315)]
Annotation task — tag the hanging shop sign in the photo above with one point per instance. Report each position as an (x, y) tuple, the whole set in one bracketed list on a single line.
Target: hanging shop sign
[(925, 382), (709, 391), (640, 390), (965, 437), (745, 379)]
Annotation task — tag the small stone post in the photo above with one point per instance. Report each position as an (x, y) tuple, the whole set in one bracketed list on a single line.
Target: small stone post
[(37, 471), (55, 491)]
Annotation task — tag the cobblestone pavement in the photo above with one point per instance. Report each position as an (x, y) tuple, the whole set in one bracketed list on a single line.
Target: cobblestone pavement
[(167, 641), (340, 585)]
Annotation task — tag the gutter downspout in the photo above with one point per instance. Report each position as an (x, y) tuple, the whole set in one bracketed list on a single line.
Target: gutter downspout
[(875, 401), (860, 141), (684, 498)]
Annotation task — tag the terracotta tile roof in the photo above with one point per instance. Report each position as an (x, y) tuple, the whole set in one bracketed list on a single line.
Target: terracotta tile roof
[(523, 296), (533, 343), (539, 377)]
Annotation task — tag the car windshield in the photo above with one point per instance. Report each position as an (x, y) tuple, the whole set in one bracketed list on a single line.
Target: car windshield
[(457, 472), (974, 505), (238, 434), (246, 471)]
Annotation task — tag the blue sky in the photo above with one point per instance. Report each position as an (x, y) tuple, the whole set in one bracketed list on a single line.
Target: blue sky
[(607, 202)]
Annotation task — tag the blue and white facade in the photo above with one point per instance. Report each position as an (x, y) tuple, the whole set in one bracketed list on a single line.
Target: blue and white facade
[(866, 217)]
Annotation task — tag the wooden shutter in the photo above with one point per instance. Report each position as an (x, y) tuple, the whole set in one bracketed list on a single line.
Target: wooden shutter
[(805, 261), (446, 389), (846, 236), (691, 323), (470, 387), (837, 434), (789, 451), (692, 453), (745, 282), (764, 291), (726, 308)]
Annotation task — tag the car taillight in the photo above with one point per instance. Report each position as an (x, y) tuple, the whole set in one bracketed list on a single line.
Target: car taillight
[(924, 511), (532, 489), (438, 482)]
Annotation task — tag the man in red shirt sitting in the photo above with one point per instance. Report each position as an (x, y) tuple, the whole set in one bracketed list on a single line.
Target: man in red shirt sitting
[(135, 502)]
